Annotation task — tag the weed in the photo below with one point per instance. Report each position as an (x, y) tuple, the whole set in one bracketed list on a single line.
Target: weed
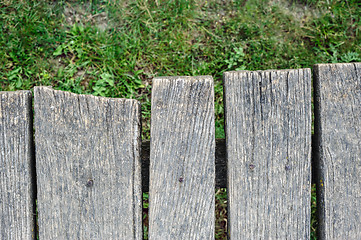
[(313, 213), (236, 59)]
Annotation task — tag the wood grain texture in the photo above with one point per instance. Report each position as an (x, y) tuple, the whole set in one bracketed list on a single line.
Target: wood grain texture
[(221, 164), (88, 166), (268, 137), (16, 166), (338, 127), (182, 185)]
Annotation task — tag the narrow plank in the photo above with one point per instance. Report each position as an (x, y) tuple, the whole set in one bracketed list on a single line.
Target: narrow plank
[(88, 166), (268, 138), (17, 196), (221, 164), (338, 149), (182, 175)]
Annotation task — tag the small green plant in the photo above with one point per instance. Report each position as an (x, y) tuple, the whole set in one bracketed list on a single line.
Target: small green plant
[(104, 84), (350, 57), (236, 59), (313, 213), (145, 215), (221, 213)]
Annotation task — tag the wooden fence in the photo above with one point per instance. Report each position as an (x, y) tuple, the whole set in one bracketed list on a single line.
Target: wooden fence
[(85, 169)]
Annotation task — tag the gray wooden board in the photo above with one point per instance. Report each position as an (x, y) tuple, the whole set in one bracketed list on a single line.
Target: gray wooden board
[(182, 171), (338, 131), (220, 161), (221, 164), (88, 166), (16, 166), (268, 138)]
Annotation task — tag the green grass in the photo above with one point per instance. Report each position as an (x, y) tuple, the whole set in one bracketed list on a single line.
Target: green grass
[(115, 48), (67, 45)]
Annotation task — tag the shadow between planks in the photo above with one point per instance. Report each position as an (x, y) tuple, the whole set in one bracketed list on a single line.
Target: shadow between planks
[(221, 164)]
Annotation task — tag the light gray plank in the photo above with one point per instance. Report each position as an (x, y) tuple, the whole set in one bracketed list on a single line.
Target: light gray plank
[(88, 166), (268, 137), (221, 164), (182, 175), (16, 166), (338, 144)]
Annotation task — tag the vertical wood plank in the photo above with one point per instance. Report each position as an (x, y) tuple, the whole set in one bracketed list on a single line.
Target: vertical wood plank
[(220, 162), (182, 174), (88, 166), (16, 166), (268, 137), (338, 149)]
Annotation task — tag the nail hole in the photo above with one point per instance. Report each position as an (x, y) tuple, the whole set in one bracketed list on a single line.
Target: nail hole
[(90, 183), (181, 179), (252, 166)]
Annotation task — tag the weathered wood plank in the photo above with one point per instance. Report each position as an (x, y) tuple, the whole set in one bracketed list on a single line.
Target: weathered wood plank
[(221, 164), (268, 136), (338, 144), (88, 166), (182, 185), (17, 196)]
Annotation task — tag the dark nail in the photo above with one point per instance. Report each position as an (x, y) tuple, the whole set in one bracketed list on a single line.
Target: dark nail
[(180, 179), (90, 183), (252, 166)]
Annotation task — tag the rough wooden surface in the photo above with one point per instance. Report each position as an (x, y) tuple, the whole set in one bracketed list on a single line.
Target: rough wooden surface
[(16, 166), (88, 166), (338, 127), (221, 164), (268, 136), (182, 174)]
